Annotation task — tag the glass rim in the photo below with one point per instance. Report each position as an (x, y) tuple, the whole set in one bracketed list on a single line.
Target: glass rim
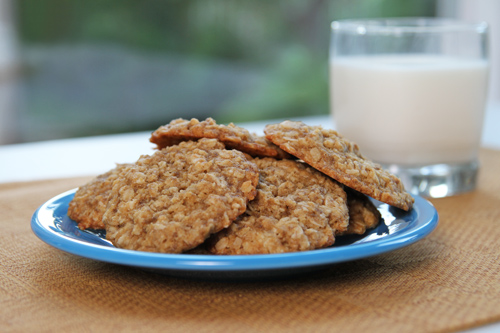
[(407, 25)]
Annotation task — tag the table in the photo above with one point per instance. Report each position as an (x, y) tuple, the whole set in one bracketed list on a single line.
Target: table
[(95, 155), (450, 281)]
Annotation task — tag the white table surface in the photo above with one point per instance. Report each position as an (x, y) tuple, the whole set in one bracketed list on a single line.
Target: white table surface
[(91, 156), (95, 155)]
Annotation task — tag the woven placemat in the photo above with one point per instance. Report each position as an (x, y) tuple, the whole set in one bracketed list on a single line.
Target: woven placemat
[(449, 281)]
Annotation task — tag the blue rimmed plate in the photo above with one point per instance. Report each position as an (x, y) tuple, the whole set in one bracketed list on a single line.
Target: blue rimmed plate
[(398, 229)]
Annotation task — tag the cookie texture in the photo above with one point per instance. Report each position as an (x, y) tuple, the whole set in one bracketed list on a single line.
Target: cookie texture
[(232, 136), (329, 152), (89, 203), (173, 200), (363, 214), (296, 208)]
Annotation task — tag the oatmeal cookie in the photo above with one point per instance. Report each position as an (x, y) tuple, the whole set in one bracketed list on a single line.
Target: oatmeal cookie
[(296, 208), (89, 203), (363, 214), (332, 154), (173, 200), (232, 136)]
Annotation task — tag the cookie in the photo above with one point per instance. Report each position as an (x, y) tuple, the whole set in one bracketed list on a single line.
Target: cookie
[(89, 203), (296, 208), (363, 214), (339, 158), (232, 136), (173, 200)]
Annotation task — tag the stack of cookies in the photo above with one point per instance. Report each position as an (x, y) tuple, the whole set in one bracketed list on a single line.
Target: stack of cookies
[(219, 189)]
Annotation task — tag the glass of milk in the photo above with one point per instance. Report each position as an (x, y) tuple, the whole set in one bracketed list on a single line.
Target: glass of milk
[(411, 92)]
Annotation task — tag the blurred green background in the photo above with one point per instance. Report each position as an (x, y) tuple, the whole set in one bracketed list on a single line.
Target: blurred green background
[(108, 66)]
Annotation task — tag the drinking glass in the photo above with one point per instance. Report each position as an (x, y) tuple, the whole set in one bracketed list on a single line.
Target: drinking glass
[(411, 92)]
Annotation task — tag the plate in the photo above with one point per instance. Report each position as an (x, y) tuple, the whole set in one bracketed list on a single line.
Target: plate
[(398, 229)]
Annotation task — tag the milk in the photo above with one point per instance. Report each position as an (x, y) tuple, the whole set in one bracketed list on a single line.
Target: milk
[(410, 110)]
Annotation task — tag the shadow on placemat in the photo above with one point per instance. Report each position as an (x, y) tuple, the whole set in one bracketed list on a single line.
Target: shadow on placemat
[(363, 294)]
